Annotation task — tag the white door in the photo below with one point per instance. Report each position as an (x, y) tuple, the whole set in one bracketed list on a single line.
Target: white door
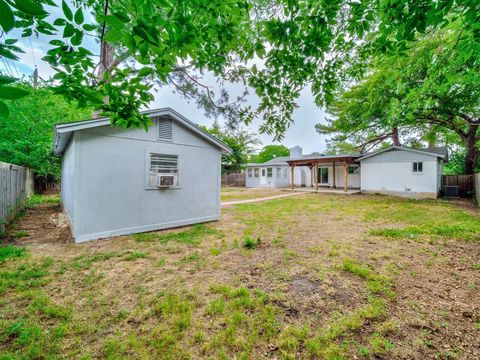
[(263, 176)]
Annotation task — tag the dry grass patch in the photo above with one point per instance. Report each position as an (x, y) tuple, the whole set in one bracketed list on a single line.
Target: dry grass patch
[(317, 276)]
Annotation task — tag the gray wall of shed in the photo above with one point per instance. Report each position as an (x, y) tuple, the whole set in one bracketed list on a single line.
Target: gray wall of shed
[(110, 196)]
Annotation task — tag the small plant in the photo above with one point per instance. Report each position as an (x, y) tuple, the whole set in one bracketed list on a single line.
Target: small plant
[(19, 234), (476, 266), (11, 251), (251, 243), (215, 251)]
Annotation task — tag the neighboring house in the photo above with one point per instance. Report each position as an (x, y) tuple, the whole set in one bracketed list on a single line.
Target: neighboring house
[(117, 181), (395, 170)]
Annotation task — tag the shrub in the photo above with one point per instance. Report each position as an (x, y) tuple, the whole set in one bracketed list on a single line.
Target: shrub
[(251, 243)]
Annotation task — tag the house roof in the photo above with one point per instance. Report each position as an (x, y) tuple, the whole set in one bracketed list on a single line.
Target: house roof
[(63, 132), (441, 152)]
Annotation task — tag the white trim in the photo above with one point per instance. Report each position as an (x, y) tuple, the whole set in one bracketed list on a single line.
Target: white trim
[(68, 129), (401, 148), (148, 153), (145, 228)]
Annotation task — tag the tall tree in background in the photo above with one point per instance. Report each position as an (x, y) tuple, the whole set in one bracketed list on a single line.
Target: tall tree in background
[(431, 89), (296, 44), (26, 136), (241, 141), (270, 152)]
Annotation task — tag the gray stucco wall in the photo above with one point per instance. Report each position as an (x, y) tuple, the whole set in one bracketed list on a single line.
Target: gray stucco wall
[(113, 165)]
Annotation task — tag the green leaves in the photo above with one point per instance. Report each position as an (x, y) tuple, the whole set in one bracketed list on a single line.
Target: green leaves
[(4, 80), (7, 20), (29, 7), (12, 93), (79, 16), (67, 11)]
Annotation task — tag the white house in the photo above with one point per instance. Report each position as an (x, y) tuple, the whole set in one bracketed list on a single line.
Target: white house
[(117, 181), (395, 170)]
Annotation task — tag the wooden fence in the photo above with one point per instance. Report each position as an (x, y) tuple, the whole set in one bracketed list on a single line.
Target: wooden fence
[(466, 183), (16, 186), (233, 179)]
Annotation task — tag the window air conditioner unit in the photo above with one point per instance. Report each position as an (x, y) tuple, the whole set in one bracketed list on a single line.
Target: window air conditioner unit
[(166, 180)]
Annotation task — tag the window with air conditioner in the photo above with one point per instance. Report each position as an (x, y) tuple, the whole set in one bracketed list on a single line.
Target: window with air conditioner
[(164, 129), (163, 171)]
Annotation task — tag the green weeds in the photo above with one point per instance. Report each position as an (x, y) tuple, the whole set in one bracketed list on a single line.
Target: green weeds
[(191, 236)]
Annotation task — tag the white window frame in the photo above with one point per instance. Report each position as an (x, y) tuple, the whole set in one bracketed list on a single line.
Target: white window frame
[(271, 172), (250, 172), (285, 172), (256, 172), (158, 125), (148, 154), (279, 173), (413, 168)]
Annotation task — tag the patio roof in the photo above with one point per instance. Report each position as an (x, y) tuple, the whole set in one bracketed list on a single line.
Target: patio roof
[(312, 161)]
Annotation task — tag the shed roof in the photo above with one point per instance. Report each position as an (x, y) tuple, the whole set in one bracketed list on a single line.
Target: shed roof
[(441, 152), (63, 132)]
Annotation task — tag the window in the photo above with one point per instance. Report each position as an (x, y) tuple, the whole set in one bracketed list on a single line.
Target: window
[(269, 172), (256, 172), (417, 167), (353, 169), (263, 172), (250, 172), (165, 129), (163, 164), (279, 172), (285, 172)]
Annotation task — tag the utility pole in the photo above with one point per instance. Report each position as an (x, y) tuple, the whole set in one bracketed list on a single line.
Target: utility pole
[(35, 78)]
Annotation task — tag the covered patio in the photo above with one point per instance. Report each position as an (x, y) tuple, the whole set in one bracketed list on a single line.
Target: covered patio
[(314, 163)]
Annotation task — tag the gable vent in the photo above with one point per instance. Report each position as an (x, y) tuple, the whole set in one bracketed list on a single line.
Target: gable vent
[(165, 129)]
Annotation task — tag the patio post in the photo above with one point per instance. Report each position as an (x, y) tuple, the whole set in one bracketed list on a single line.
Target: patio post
[(292, 170), (345, 182), (316, 177), (311, 175), (334, 180)]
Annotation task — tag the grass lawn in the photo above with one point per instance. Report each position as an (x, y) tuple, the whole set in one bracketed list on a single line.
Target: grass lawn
[(242, 193), (314, 276)]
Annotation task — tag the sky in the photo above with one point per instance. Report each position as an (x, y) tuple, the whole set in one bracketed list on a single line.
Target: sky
[(301, 133)]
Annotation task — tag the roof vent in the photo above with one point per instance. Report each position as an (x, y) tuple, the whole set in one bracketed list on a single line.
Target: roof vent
[(165, 129)]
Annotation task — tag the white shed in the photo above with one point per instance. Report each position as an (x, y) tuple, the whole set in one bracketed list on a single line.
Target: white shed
[(117, 181), (403, 171)]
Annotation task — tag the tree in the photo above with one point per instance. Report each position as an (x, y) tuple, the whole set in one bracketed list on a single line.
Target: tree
[(26, 136), (432, 90), (270, 152), (242, 143), (298, 43)]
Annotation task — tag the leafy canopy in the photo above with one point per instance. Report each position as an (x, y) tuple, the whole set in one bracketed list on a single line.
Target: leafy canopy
[(277, 48), (430, 92), (270, 152), (242, 143), (26, 136)]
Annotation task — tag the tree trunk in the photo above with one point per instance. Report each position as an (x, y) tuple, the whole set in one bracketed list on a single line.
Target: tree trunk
[(395, 137), (107, 60), (471, 148)]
